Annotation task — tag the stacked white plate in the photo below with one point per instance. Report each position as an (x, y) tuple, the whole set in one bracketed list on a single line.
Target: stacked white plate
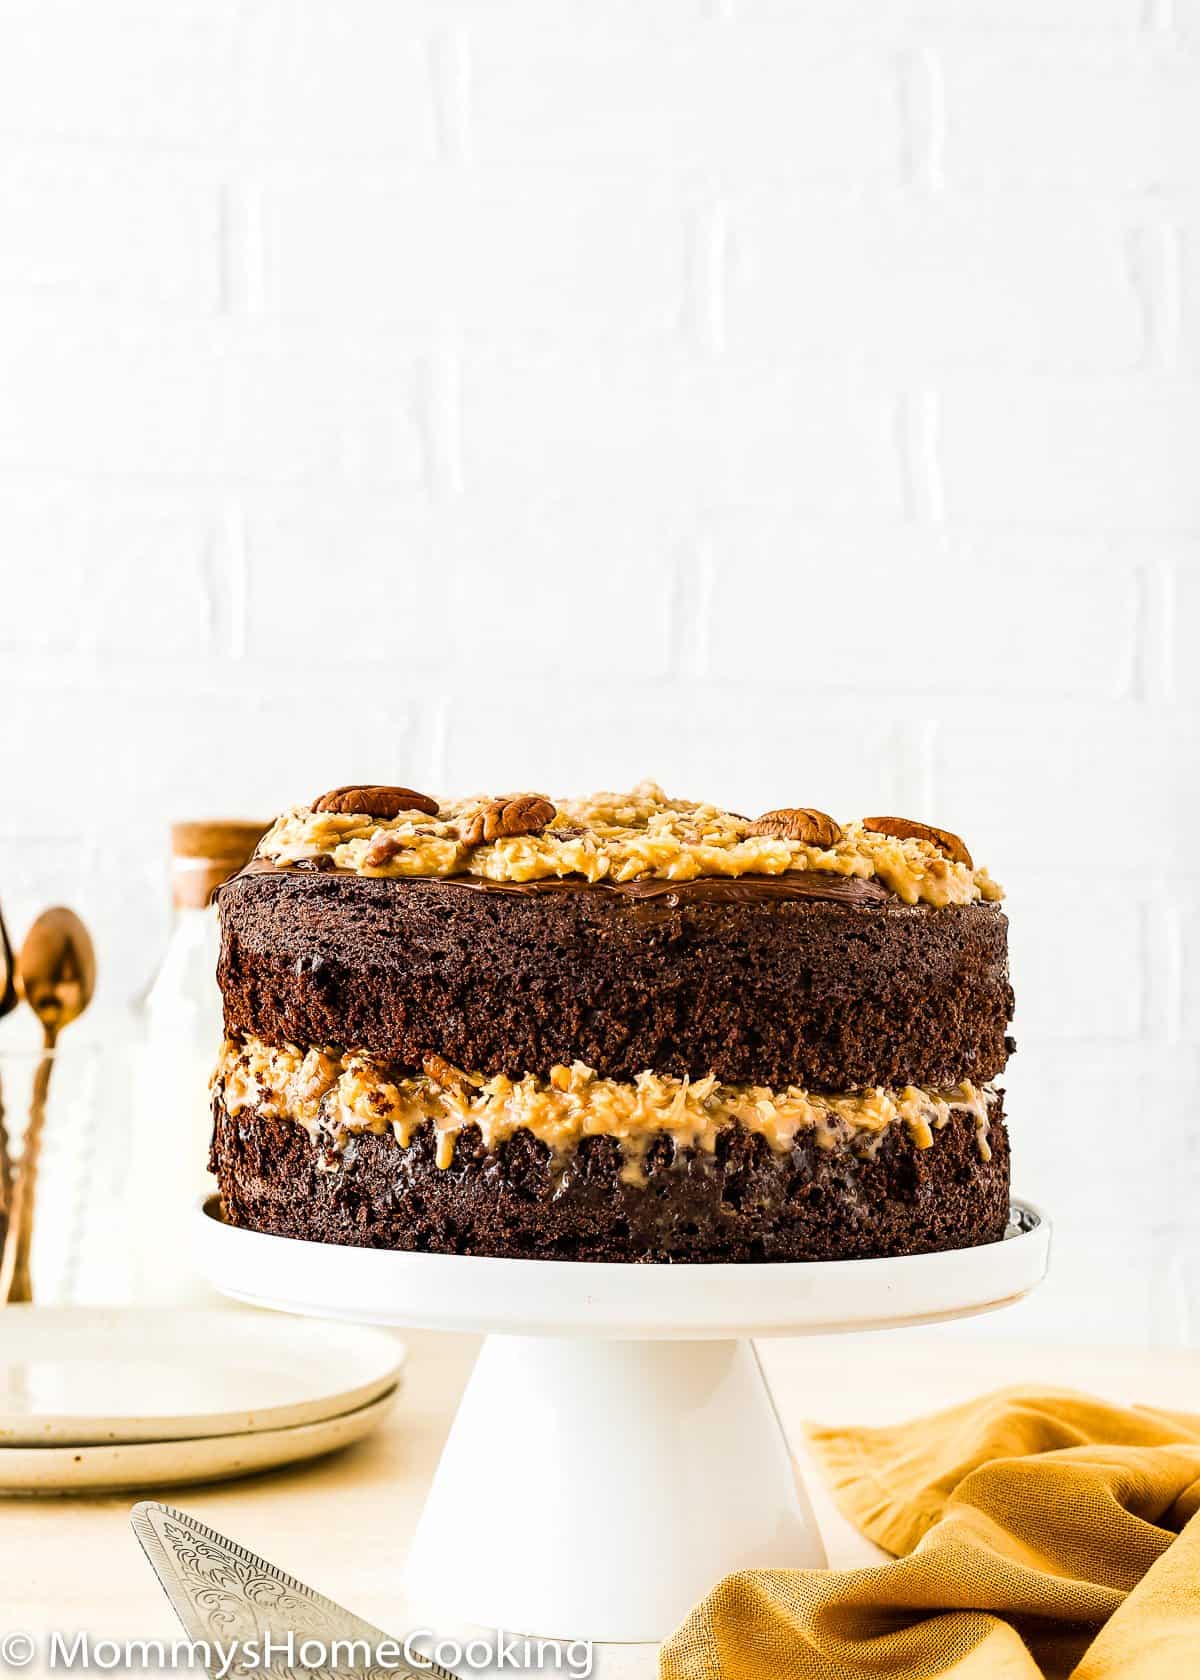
[(96, 1399)]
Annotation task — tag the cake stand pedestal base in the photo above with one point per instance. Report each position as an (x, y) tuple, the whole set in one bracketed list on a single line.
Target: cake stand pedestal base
[(616, 1451), (606, 1486)]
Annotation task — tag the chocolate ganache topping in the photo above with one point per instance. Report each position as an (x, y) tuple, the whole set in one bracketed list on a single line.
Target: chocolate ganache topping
[(665, 895)]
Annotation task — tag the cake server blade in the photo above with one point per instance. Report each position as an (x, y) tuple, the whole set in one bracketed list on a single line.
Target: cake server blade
[(230, 1600)]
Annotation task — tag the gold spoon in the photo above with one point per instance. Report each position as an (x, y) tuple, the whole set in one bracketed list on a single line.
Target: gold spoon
[(56, 973), (8, 1002)]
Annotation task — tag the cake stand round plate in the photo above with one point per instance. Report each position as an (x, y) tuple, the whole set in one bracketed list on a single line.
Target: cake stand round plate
[(616, 1450)]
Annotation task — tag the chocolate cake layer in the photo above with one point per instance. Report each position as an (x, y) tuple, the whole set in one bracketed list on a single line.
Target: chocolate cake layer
[(741, 1202), (848, 989)]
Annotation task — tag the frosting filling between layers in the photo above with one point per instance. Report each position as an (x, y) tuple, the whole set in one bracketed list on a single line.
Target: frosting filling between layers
[(636, 836), (337, 1094)]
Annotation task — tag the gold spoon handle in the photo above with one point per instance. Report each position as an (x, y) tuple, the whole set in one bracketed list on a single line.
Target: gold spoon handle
[(16, 1283), (5, 1161)]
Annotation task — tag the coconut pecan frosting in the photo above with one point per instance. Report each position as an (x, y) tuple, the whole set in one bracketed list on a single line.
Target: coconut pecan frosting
[(338, 1094), (643, 835)]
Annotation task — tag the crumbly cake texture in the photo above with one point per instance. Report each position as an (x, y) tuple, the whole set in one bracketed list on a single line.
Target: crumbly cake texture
[(619, 1028), (642, 834), (829, 995), (740, 1202)]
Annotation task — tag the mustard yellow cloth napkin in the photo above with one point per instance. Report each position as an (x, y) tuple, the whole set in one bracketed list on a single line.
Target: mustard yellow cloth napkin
[(1037, 1533)]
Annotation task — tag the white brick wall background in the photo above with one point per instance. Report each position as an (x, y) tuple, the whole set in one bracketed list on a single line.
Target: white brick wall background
[(798, 404)]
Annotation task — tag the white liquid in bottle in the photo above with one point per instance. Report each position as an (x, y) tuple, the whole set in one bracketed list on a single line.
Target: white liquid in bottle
[(168, 1171)]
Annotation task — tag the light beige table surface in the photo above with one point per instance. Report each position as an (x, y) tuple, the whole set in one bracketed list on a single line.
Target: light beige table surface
[(342, 1523)]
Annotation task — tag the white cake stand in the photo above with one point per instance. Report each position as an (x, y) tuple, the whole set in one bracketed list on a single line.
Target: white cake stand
[(616, 1450)]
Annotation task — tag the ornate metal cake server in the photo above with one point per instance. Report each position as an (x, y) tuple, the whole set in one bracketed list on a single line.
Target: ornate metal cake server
[(232, 1601)]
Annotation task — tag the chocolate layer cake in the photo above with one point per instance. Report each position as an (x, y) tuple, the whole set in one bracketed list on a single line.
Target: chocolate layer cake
[(619, 1028)]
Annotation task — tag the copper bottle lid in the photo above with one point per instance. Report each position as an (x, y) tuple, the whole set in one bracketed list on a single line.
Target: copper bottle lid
[(203, 854)]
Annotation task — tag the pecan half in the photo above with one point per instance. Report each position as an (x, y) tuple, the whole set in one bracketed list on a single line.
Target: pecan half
[(797, 823), (527, 813), (372, 800), (903, 828), (382, 850)]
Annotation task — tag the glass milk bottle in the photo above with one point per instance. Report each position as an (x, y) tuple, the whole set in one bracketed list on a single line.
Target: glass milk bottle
[(182, 1036)]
